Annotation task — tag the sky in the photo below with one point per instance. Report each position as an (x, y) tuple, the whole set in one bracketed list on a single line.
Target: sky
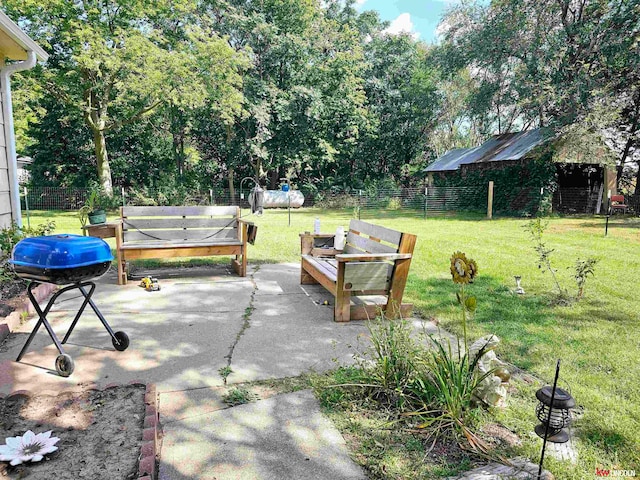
[(420, 17)]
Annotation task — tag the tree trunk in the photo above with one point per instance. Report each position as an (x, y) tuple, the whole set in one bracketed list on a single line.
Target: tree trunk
[(274, 178), (625, 153), (258, 169), (102, 158), (232, 190), (178, 151)]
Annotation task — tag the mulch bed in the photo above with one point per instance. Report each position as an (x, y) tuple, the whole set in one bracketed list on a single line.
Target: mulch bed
[(100, 432), (13, 294)]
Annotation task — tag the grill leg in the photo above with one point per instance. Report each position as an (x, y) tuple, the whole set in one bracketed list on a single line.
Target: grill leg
[(42, 320), (87, 299)]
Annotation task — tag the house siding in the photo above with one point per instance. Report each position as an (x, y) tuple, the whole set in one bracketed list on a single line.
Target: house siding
[(5, 195)]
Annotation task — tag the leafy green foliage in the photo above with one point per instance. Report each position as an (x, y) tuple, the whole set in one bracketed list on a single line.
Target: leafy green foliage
[(433, 384), (536, 228), (238, 396), (113, 64), (10, 236), (517, 187), (583, 269), (448, 384), (395, 355), (224, 372), (548, 62)]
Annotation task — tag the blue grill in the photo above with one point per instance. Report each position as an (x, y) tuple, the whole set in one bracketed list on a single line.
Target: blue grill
[(61, 259), (69, 260)]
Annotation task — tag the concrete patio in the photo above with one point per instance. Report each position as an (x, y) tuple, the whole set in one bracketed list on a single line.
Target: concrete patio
[(264, 326)]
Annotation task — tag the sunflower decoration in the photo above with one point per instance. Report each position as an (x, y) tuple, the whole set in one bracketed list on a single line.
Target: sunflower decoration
[(463, 270)]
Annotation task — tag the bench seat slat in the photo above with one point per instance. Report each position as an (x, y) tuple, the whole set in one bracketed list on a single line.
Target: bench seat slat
[(370, 257), (325, 266)]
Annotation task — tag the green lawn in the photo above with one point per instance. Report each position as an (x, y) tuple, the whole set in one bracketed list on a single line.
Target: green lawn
[(597, 339)]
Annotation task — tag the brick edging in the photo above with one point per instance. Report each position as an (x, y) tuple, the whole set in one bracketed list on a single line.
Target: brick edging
[(151, 428), (9, 323), (147, 467)]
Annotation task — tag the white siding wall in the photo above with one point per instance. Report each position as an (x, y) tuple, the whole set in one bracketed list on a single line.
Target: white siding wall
[(5, 198)]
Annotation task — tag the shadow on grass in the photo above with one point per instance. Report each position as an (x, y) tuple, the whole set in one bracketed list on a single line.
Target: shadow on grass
[(606, 439), (624, 222), (373, 214), (524, 321)]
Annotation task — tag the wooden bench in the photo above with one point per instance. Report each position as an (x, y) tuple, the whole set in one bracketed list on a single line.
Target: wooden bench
[(375, 262), (165, 232)]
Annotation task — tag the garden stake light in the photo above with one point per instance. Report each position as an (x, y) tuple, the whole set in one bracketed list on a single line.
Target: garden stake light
[(553, 413)]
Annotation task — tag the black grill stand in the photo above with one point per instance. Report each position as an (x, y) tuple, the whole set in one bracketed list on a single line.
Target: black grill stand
[(64, 363)]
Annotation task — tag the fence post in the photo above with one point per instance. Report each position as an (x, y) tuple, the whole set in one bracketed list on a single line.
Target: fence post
[(426, 196), (490, 201), (124, 201), (26, 206), (359, 202), (211, 196)]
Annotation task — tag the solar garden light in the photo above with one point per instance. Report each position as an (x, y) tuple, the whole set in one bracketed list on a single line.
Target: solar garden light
[(519, 289), (553, 413)]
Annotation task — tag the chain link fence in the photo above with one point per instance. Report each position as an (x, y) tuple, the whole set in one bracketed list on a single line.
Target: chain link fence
[(417, 202)]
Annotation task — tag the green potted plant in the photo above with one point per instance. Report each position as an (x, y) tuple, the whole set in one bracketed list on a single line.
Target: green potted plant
[(93, 209)]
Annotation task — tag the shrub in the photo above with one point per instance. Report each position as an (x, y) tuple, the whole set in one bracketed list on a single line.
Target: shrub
[(342, 200), (10, 236), (394, 204)]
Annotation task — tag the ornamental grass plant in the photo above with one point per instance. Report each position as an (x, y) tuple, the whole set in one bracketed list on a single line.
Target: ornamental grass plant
[(422, 378)]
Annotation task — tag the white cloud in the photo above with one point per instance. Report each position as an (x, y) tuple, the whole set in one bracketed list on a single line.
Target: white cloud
[(402, 24)]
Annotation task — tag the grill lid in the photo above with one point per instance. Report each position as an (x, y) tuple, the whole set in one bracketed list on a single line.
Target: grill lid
[(61, 251)]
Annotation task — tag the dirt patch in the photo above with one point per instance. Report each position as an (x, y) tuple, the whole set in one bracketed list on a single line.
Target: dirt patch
[(100, 433), (13, 294), (498, 435)]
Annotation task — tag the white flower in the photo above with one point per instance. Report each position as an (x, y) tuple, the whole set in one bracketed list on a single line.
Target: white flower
[(28, 447)]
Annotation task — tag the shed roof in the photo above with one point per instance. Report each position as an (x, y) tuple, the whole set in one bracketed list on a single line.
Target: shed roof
[(508, 146), (450, 160), (14, 43)]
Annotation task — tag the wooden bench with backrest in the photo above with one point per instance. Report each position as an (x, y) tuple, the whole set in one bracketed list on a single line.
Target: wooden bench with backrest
[(369, 275), (165, 232)]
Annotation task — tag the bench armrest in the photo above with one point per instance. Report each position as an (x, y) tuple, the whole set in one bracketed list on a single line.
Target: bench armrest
[(307, 241), (371, 257), (317, 235), (249, 231)]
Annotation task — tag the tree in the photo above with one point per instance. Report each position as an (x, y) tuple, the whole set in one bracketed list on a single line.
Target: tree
[(549, 62), (401, 95), (114, 63), (303, 94)]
